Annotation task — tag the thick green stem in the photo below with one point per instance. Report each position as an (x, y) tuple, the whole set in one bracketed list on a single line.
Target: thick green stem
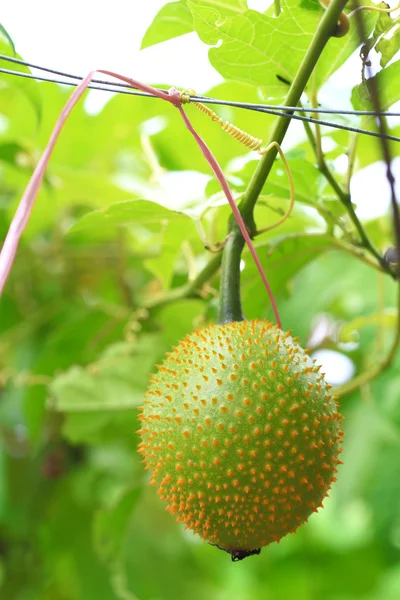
[(325, 30), (230, 306)]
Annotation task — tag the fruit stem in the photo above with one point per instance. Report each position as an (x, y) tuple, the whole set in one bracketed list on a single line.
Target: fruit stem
[(230, 305)]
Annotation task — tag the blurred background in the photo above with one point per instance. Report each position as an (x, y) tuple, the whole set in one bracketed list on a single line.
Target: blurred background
[(92, 306)]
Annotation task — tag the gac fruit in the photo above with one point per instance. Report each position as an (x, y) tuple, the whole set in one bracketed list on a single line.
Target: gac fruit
[(241, 435)]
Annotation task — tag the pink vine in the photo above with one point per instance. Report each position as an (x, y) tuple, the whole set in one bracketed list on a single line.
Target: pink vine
[(24, 210)]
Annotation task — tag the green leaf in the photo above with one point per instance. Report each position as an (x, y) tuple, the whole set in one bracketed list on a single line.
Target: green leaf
[(110, 525), (387, 318), (386, 81), (378, 39), (72, 188), (153, 217), (29, 87), (338, 50), (5, 35), (164, 265), (255, 48), (282, 261), (3, 485), (388, 47), (178, 319), (307, 179), (173, 20), (291, 253), (9, 152), (131, 212), (116, 381)]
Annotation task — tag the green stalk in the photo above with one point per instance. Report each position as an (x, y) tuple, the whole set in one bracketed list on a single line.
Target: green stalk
[(230, 306)]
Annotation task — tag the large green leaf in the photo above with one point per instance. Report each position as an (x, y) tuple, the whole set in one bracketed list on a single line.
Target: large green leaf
[(387, 83), (386, 318), (116, 382), (254, 48), (173, 20), (178, 319), (110, 525), (6, 36), (28, 87), (281, 262), (133, 212), (383, 38), (163, 265), (259, 49), (389, 46), (63, 188), (338, 50), (307, 179)]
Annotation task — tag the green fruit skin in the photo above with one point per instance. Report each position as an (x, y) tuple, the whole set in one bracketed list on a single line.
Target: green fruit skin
[(241, 434)]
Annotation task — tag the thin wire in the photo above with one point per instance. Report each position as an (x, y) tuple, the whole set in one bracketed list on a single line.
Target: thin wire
[(55, 72), (263, 108), (392, 138), (195, 97), (130, 92)]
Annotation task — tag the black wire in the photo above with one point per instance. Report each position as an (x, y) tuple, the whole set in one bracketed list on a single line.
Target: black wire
[(72, 83), (392, 138), (205, 99), (55, 72), (264, 108)]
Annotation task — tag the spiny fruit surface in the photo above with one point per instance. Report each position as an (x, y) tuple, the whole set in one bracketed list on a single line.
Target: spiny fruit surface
[(241, 434)]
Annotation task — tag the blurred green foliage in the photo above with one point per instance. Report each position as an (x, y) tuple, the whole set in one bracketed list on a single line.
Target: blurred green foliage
[(94, 302)]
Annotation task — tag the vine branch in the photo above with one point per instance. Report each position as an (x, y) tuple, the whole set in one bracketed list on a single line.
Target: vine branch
[(345, 199), (327, 28)]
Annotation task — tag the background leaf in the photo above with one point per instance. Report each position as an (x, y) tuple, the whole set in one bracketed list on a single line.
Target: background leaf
[(28, 87), (7, 37), (173, 20), (386, 80), (115, 382)]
